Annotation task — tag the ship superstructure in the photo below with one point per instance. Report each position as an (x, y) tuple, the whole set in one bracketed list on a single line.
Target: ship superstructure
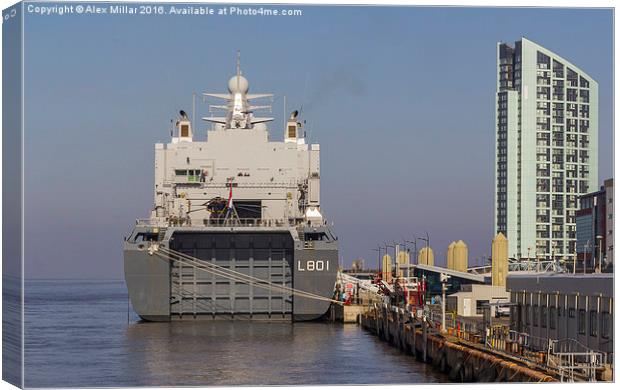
[(236, 230)]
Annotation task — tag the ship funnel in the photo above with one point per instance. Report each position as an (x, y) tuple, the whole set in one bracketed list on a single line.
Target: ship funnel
[(184, 129), (291, 133)]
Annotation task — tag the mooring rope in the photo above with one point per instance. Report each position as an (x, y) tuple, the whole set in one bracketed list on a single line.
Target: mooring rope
[(239, 277), (169, 254)]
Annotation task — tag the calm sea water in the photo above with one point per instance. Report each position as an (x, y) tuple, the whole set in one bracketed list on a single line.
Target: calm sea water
[(78, 335)]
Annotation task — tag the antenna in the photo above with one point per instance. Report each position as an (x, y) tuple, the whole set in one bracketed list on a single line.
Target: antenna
[(238, 62), (301, 109), (193, 109), (238, 68)]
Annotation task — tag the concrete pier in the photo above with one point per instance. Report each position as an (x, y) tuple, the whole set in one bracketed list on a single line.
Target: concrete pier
[(348, 314), (463, 361)]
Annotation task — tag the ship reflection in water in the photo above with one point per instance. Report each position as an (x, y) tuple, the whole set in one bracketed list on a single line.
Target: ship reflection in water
[(77, 336), (241, 353)]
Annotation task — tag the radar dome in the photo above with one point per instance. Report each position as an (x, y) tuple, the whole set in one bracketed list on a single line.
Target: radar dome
[(238, 84)]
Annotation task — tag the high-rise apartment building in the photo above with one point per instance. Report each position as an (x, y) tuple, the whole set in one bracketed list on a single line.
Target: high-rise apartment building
[(546, 149)]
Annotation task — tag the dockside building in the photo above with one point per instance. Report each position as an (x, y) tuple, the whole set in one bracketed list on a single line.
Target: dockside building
[(595, 221), (564, 307)]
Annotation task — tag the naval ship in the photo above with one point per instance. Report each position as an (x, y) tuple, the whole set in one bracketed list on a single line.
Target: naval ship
[(236, 231)]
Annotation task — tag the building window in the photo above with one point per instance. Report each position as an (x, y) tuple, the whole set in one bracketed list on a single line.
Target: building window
[(515, 322), (535, 315), (582, 321), (605, 324), (189, 175), (543, 61), (552, 317), (593, 323), (571, 313), (543, 317), (480, 306), (527, 315)]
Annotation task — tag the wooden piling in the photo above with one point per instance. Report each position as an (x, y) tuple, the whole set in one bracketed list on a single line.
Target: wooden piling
[(463, 362)]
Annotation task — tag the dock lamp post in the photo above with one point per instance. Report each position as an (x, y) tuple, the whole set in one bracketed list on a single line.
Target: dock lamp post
[(415, 245), (404, 244), (396, 252), (600, 253), (415, 253), (575, 263), (443, 278), (378, 249), (585, 249), (386, 252), (428, 244)]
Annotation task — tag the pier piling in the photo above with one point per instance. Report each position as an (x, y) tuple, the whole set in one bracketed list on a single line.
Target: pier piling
[(462, 361)]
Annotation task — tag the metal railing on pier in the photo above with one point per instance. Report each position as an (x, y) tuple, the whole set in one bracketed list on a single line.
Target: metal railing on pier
[(523, 265), (567, 358), (571, 359)]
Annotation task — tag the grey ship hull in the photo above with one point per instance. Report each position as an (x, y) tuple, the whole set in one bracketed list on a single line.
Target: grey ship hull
[(163, 290)]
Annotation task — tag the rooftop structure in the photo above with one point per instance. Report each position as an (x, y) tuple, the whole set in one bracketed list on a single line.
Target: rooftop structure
[(432, 274)]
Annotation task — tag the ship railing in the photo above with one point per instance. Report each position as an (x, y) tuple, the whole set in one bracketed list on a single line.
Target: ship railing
[(207, 222)]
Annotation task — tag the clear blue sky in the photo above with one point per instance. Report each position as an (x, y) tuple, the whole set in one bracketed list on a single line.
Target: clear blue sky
[(400, 99)]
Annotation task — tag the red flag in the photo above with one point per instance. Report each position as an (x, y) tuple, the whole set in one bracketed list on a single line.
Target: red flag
[(230, 197)]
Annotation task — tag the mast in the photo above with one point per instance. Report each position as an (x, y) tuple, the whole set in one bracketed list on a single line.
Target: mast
[(238, 107)]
